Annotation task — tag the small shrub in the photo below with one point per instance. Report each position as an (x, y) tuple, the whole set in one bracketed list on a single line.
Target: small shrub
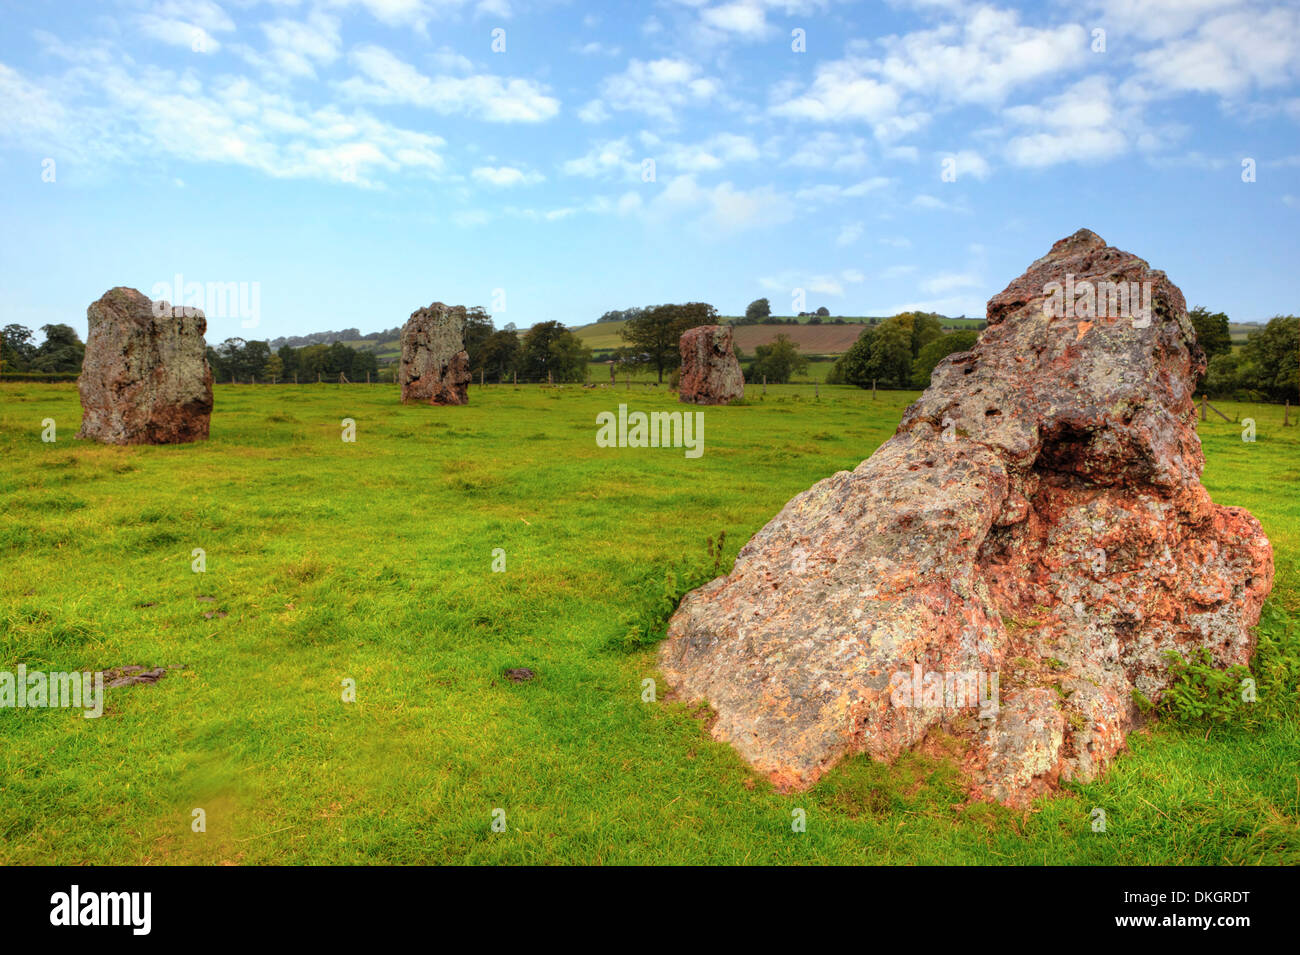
[(661, 595)]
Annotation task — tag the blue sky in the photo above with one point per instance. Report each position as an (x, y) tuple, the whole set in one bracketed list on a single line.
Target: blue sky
[(360, 158)]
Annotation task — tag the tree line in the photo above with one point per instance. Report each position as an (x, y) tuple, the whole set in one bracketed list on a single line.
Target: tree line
[(495, 355), (900, 352), (60, 353), (1265, 368)]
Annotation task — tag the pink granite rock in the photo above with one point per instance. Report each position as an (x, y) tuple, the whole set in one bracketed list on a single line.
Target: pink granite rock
[(1007, 569)]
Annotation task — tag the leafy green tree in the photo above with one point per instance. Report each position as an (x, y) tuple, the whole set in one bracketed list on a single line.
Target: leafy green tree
[(570, 358), (884, 353), (311, 361), (1211, 331), (758, 310), (500, 354), (478, 329), (550, 347), (16, 348), (935, 351), (288, 361), (1275, 355), (620, 315), (925, 328), (656, 333), (1229, 376), (851, 369), (62, 350), (255, 357), (891, 355), (778, 362)]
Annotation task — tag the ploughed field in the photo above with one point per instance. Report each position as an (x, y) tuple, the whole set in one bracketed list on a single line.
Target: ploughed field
[(372, 561)]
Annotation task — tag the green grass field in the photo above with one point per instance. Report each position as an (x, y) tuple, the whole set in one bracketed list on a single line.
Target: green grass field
[(372, 561)]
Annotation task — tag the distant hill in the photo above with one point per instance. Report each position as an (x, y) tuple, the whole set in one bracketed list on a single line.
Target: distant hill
[(348, 336), (827, 338)]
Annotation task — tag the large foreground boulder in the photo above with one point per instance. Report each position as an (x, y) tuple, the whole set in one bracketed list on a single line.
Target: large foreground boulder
[(145, 378), (710, 372), (435, 365), (1004, 573)]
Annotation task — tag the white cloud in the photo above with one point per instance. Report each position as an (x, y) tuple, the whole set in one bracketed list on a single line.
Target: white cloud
[(596, 48), (841, 90), (712, 154), (829, 150), (830, 192), (983, 59), (744, 17), (613, 158), (1157, 19), (720, 208), (658, 87), (969, 163), (893, 84), (155, 112), (949, 282), (504, 176), (927, 201), (1227, 56), (388, 79), (186, 23), (403, 13), (296, 47), (817, 284), (1081, 125), (849, 234), (593, 112)]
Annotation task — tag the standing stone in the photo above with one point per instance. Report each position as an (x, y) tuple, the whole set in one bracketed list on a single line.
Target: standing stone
[(710, 372), (435, 365), (145, 378), (1006, 570)]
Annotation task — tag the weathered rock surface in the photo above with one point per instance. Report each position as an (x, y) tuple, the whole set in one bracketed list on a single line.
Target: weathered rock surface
[(145, 378), (435, 365), (710, 372), (1037, 519)]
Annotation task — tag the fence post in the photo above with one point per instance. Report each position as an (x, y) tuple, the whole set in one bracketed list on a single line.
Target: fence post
[(873, 389), (1286, 414), (765, 384), (1202, 407)]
